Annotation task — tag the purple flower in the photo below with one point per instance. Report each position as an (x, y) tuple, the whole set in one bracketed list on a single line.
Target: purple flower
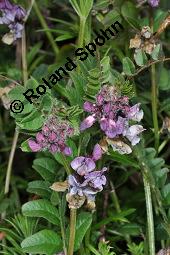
[(34, 146), (88, 122), (83, 165), (53, 137), (135, 113), (154, 3), (96, 179), (97, 152), (5, 4), (132, 134), (67, 151), (12, 16), (113, 112), (88, 185)]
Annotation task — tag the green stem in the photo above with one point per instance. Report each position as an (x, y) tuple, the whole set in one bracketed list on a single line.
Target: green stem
[(11, 158), (154, 106), (62, 223), (81, 33), (73, 213), (65, 164), (150, 220), (139, 151), (46, 28), (115, 198), (16, 135)]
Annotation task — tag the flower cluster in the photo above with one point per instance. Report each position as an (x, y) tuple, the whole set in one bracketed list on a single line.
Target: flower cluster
[(12, 16), (86, 182), (144, 40), (53, 136), (114, 114)]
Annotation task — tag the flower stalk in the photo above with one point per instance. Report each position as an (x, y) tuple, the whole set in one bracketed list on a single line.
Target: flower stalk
[(73, 214), (147, 188), (46, 28), (154, 106)]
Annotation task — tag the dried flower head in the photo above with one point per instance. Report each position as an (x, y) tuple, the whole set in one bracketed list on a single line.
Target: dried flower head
[(53, 137), (166, 125), (144, 40)]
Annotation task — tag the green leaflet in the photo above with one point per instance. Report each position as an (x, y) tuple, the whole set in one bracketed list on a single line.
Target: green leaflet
[(41, 208), (44, 242)]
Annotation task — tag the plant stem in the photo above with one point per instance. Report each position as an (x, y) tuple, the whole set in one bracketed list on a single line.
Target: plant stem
[(150, 220), (115, 198), (46, 28), (65, 164), (11, 158), (24, 58), (154, 106), (16, 134), (139, 151), (73, 213), (81, 33)]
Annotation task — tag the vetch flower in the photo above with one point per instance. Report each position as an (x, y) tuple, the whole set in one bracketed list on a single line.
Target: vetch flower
[(97, 152), (53, 137), (114, 114), (88, 185), (83, 165), (132, 133), (12, 16)]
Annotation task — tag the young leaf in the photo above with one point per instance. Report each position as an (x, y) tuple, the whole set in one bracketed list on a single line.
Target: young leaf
[(40, 188), (84, 221), (156, 53), (44, 242), (41, 208), (128, 66), (164, 80), (140, 58)]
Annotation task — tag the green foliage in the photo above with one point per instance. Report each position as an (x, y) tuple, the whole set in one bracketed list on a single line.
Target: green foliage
[(135, 249), (43, 242), (97, 77), (104, 249), (41, 208), (128, 66), (140, 58)]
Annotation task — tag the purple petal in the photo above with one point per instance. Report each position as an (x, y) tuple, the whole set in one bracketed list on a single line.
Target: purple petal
[(88, 107), (52, 137), (153, 3), (40, 138), (20, 13), (97, 152), (53, 148), (67, 151), (132, 134), (104, 124), (87, 123), (77, 162), (135, 113), (5, 4), (34, 146)]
